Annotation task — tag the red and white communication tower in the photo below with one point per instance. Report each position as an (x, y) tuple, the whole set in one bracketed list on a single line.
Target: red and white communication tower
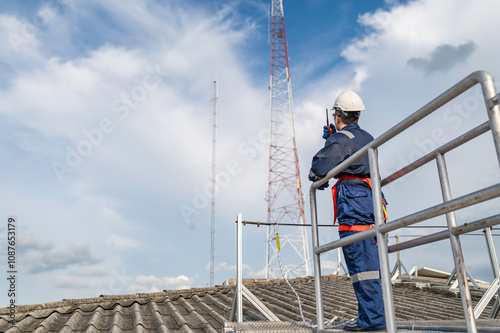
[(284, 196)]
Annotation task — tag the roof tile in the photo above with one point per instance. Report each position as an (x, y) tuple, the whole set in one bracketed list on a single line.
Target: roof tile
[(207, 309)]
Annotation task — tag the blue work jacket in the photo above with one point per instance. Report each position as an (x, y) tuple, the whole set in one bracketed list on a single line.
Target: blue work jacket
[(353, 196), (339, 147)]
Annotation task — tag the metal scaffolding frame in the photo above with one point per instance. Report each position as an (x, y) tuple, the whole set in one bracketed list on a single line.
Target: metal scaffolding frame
[(240, 290), (448, 206)]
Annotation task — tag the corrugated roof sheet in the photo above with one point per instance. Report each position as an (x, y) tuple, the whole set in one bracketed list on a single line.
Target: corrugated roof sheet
[(206, 309)]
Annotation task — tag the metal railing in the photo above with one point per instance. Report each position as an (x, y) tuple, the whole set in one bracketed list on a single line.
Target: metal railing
[(448, 206)]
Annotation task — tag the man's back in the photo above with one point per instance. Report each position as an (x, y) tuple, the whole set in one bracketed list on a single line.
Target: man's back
[(339, 147)]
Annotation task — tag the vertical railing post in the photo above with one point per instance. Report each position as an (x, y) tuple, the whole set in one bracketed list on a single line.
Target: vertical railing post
[(339, 265), (400, 274), (383, 253), (492, 101), (316, 260), (492, 253), (239, 279), (494, 267), (456, 248)]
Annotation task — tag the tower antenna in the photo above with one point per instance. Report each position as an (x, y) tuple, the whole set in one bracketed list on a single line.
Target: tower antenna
[(214, 117), (284, 197)]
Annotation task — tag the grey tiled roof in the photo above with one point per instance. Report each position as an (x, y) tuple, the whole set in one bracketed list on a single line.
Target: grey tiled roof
[(206, 309)]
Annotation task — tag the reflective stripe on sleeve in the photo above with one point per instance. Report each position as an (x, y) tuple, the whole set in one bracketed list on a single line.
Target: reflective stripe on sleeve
[(361, 276)]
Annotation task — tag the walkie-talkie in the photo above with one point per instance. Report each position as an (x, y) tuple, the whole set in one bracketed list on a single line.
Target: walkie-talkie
[(328, 127)]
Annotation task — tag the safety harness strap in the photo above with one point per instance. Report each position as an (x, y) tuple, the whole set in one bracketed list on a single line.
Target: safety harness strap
[(356, 227), (334, 194), (334, 191)]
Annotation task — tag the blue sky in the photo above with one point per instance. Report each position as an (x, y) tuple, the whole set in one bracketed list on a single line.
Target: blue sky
[(105, 129)]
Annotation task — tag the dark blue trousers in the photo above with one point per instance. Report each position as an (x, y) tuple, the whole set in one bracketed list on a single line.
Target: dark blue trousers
[(364, 269)]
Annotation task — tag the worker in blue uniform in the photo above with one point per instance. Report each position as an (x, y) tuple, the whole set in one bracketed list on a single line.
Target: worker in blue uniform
[(353, 206)]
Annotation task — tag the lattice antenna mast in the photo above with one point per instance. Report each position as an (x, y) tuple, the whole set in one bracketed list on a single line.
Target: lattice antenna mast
[(214, 116), (284, 196)]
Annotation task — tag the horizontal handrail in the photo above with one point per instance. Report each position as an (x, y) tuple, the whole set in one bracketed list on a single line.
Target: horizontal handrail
[(446, 207), (449, 206), (442, 235), (473, 133)]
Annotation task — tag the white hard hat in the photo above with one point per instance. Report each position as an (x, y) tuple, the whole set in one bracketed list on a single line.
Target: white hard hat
[(349, 101)]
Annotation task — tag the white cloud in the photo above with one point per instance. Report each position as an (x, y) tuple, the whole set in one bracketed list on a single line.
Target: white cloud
[(225, 267), (228, 271), (49, 259), (75, 283), (151, 283), (92, 281), (133, 179), (93, 270), (20, 46), (120, 242), (27, 241)]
